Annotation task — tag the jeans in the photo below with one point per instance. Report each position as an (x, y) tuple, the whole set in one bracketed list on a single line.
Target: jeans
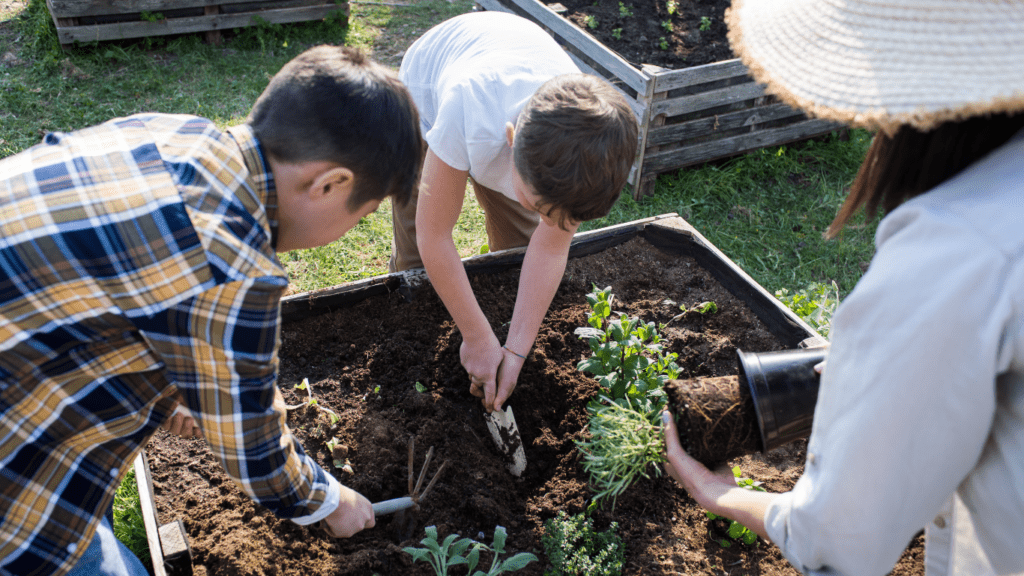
[(107, 556)]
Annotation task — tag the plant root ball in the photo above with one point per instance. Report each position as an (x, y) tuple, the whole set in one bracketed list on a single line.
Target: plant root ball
[(715, 418)]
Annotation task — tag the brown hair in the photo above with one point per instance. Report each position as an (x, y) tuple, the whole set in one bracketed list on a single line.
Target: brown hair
[(910, 162), (575, 142), (334, 104)]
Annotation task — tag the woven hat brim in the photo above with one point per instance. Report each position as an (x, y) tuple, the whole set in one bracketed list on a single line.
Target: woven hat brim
[(880, 64)]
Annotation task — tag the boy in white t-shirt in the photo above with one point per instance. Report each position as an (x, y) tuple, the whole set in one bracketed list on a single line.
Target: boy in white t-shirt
[(545, 147)]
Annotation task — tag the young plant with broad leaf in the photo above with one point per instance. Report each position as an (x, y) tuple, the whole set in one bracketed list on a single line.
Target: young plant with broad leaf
[(455, 551)]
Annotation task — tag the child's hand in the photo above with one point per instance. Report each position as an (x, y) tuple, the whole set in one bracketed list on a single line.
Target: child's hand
[(181, 423), (354, 513), (481, 361)]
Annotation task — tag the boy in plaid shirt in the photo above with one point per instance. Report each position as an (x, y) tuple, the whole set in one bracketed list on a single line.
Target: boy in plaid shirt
[(138, 265)]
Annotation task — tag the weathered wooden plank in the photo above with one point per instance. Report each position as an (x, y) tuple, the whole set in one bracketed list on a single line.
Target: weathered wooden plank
[(714, 72), (709, 99), (72, 8), (101, 32), (145, 484), (702, 127), (714, 149), (568, 33)]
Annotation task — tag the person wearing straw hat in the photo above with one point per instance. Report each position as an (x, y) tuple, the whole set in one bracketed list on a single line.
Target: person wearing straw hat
[(920, 415)]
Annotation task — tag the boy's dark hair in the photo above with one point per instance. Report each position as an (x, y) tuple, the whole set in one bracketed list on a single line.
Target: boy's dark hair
[(910, 162), (333, 104), (574, 144)]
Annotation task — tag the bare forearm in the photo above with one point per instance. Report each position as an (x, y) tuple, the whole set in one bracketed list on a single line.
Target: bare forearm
[(541, 274), (448, 276)]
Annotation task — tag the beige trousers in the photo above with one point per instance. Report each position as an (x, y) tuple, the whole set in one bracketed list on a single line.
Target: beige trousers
[(508, 224)]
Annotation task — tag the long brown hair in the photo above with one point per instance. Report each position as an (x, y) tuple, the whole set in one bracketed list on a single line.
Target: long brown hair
[(909, 163)]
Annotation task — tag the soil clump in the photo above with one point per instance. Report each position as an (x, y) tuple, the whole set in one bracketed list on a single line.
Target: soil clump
[(715, 417)]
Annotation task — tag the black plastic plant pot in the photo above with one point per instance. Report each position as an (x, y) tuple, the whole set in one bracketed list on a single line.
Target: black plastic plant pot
[(784, 388)]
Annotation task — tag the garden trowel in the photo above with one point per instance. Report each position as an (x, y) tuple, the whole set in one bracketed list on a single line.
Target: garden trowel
[(502, 425)]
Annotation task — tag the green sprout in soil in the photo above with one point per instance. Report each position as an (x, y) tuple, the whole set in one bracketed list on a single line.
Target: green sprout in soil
[(662, 43), (339, 455), (420, 387), (667, 25), (623, 443), (737, 531), (574, 547), (705, 23), (624, 10), (708, 307), (313, 402), (452, 551), (671, 7), (590, 21), (617, 33)]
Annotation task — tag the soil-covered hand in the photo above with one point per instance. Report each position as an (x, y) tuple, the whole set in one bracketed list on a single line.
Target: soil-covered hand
[(354, 513), (481, 360), (182, 424)]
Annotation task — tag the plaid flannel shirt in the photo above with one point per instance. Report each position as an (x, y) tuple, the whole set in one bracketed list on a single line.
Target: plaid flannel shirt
[(137, 262)]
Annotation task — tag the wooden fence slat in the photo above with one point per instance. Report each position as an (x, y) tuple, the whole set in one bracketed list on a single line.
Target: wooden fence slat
[(569, 33), (703, 126), (709, 99), (145, 484), (714, 72), (119, 30), (714, 149), (72, 8)]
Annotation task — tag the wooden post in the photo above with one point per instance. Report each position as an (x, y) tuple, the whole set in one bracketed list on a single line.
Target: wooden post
[(213, 36)]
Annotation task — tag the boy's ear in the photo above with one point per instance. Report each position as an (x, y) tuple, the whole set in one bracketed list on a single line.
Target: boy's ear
[(338, 180), (510, 133)]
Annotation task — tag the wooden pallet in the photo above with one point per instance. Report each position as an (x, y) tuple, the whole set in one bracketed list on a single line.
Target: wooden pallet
[(100, 20), (687, 116)]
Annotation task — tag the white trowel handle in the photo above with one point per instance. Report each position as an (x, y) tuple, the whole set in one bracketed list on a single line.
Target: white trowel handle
[(393, 505)]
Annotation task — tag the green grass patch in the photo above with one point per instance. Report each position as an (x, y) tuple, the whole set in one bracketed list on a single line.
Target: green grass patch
[(129, 527)]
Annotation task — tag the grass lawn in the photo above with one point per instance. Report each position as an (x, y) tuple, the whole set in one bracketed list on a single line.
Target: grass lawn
[(765, 210)]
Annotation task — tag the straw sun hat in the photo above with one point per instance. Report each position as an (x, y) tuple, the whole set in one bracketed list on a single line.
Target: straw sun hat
[(882, 63)]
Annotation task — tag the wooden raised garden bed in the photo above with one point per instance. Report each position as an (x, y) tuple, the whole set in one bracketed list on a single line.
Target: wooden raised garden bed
[(99, 20), (687, 116), (383, 354)]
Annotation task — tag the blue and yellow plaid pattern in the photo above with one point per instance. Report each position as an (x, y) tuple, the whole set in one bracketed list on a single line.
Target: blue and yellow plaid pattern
[(136, 264)]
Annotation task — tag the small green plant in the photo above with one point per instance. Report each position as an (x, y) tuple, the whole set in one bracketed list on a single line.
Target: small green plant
[(617, 33), (452, 551), (628, 358), (663, 43), (339, 453), (816, 304), (671, 6), (705, 23), (667, 25), (737, 531), (152, 16), (624, 442), (574, 548), (591, 21), (313, 402), (624, 10), (420, 387)]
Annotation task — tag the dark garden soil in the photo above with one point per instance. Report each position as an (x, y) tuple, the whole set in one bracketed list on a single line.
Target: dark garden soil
[(644, 32), (364, 363)]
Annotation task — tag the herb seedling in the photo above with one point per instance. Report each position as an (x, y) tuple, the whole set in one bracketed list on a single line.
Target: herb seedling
[(671, 6), (705, 23), (574, 547), (815, 304), (628, 359), (624, 10), (313, 402), (623, 443), (737, 531), (617, 33), (420, 387), (702, 308), (452, 552), (662, 43), (667, 25), (590, 21)]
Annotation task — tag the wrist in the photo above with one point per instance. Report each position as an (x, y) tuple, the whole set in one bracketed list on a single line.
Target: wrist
[(514, 353)]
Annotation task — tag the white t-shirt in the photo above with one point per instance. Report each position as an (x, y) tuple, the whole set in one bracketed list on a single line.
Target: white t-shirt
[(920, 415), (469, 76)]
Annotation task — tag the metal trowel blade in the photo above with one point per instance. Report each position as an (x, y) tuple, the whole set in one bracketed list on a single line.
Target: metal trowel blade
[(502, 425)]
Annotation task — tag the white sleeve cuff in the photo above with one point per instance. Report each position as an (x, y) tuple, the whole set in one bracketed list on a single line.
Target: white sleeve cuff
[(330, 503)]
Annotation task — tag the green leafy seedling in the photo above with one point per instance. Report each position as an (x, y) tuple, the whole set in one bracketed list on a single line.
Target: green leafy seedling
[(452, 551), (420, 387), (705, 23), (624, 10), (663, 43), (590, 21), (574, 547), (617, 33), (667, 25), (671, 6), (313, 402)]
